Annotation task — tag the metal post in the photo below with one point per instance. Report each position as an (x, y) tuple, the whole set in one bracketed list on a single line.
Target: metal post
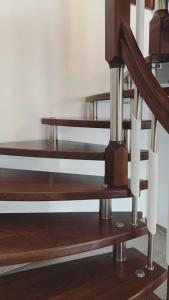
[(168, 285), (105, 209), (119, 252), (95, 110), (116, 131), (161, 4), (140, 5), (91, 110), (127, 140), (150, 265), (136, 115), (116, 104), (51, 133), (150, 262)]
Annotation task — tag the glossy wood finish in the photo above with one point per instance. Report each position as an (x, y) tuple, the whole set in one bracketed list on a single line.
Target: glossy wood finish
[(146, 124), (159, 41), (36, 237), (115, 11), (106, 96), (152, 297), (157, 58), (146, 83), (58, 149), (90, 278), (18, 185), (116, 164), (150, 4), (127, 94)]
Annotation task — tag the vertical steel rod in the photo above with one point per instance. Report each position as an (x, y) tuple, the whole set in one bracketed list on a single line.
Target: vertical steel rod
[(134, 210), (140, 5), (116, 104), (51, 133), (166, 4), (168, 285), (119, 252), (105, 209), (150, 261), (136, 112), (127, 140), (116, 131)]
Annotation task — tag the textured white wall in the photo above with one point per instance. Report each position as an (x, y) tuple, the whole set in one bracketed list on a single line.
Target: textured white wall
[(51, 57)]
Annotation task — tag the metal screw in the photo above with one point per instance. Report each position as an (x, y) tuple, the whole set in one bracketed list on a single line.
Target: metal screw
[(140, 273), (119, 225)]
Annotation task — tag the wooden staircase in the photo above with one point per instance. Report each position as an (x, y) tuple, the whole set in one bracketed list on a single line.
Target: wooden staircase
[(38, 237)]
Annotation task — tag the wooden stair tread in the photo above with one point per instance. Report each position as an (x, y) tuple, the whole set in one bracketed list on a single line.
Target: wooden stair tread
[(129, 94), (157, 58), (106, 96), (152, 296), (35, 237), (24, 185), (90, 278), (59, 149), (146, 124)]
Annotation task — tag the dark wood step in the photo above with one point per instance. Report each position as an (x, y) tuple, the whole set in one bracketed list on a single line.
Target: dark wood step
[(20, 185), (129, 94), (152, 296), (35, 237), (58, 149), (146, 124), (157, 58), (90, 278), (106, 96)]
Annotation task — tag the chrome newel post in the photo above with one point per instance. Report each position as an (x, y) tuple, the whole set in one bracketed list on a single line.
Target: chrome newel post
[(106, 209), (116, 104), (136, 116), (92, 110), (152, 194), (116, 131), (119, 252), (167, 254), (51, 133), (152, 189)]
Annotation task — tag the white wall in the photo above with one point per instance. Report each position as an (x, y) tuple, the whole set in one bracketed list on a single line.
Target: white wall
[(51, 57)]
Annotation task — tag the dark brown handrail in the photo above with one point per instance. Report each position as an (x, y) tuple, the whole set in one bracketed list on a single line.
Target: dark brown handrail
[(148, 3), (146, 83)]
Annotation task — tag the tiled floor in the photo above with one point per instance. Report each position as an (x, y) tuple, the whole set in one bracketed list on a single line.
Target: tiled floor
[(139, 243)]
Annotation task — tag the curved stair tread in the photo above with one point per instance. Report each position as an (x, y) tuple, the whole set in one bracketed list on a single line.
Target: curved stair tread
[(146, 124), (153, 297), (106, 96), (157, 58), (127, 94), (24, 185), (35, 237), (58, 149), (96, 277)]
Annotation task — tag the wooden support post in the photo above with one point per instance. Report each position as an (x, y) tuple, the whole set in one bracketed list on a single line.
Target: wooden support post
[(159, 41), (116, 154)]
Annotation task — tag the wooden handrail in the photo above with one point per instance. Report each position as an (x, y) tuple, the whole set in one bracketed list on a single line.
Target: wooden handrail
[(146, 83), (149, 4)]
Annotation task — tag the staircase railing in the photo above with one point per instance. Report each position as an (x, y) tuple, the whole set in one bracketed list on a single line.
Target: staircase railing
[(150, 89), (122, 49)]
